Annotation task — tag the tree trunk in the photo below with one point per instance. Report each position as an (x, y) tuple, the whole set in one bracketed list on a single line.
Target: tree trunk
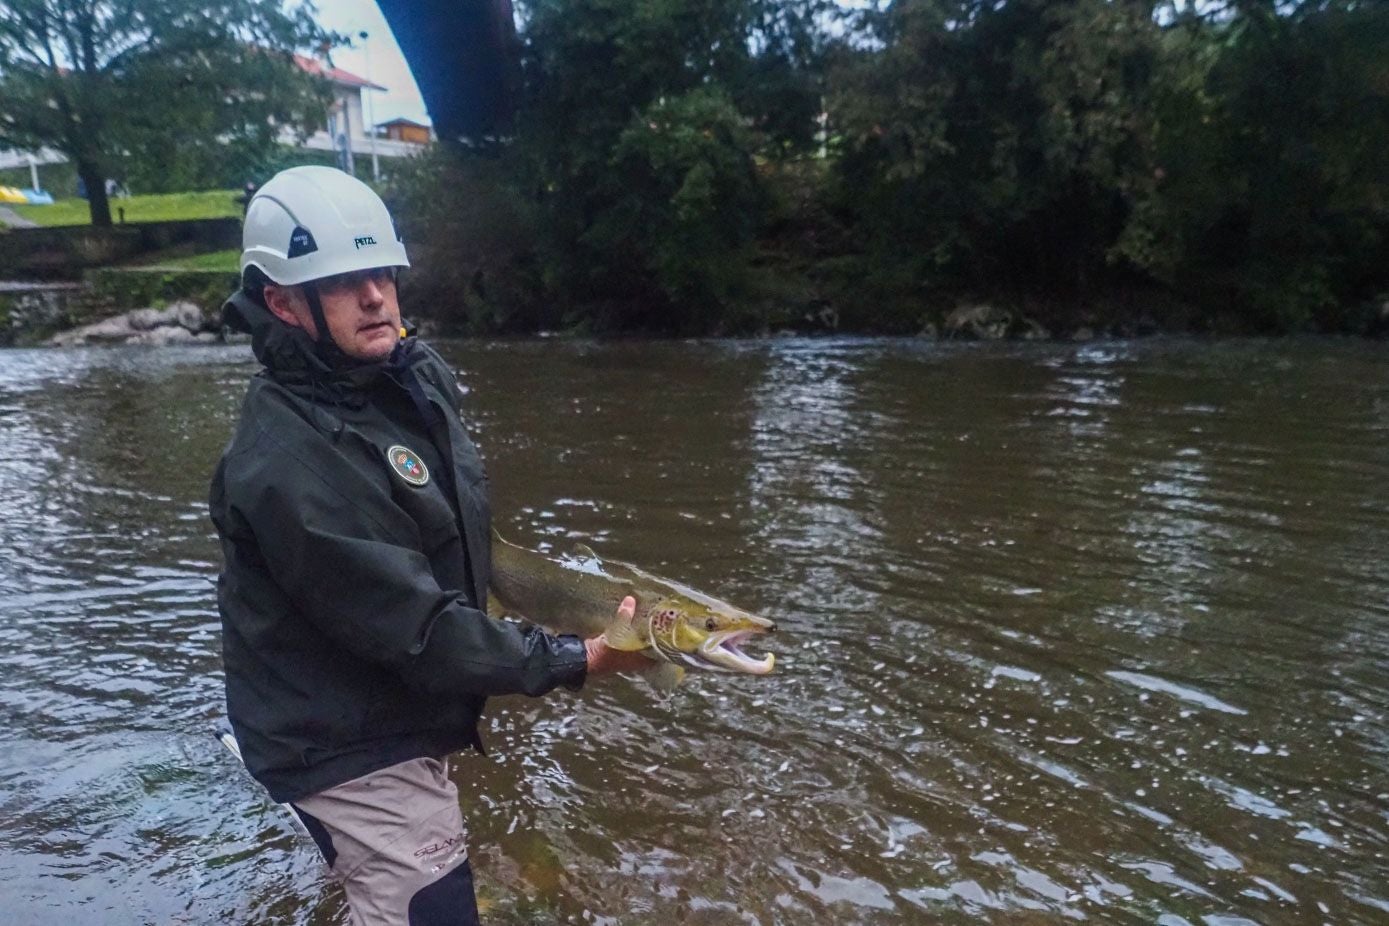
[(95, 181)]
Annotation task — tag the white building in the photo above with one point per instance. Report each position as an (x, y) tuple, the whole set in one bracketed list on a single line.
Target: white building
[(344, 128)]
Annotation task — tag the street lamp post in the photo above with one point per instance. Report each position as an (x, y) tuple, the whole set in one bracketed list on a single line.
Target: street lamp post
[(371, 110)]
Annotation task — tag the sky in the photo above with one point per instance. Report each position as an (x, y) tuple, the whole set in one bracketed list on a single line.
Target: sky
[(387, 65)]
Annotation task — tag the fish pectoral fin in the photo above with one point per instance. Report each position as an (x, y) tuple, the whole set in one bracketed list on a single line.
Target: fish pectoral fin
[(624, 635), (665, 677)]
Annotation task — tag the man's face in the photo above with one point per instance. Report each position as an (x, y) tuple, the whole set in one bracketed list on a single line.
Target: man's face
[(361, 309)]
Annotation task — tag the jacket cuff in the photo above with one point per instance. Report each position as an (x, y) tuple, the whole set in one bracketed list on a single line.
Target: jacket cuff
[(570, 661)]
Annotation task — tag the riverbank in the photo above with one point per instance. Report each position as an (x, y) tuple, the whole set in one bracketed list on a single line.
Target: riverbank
[(68, 315), (490, 258)]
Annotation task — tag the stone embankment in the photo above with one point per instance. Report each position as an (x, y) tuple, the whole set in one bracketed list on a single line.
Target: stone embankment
[(179, 323), (29, 311)]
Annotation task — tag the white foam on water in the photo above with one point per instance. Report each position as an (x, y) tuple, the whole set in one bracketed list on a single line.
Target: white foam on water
[(1181, 692)]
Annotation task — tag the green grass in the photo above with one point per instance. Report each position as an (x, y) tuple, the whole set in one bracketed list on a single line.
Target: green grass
[(158, 207), (227, 261)]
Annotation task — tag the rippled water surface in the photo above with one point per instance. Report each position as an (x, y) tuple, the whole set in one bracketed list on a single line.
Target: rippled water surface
[(1068, 632)]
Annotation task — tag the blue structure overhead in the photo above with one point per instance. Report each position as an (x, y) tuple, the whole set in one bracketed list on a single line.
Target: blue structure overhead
[(464, 56)]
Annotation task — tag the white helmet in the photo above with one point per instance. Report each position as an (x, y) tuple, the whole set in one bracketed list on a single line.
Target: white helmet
[(308, 223)]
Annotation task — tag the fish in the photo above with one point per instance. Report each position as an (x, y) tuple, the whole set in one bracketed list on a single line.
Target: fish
[(677, 627)]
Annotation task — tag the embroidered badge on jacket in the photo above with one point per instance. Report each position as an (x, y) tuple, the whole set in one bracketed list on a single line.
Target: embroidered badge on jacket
[(408, 465)]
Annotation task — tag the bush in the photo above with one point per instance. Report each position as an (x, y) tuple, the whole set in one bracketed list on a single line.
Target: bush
[(684, 205), (472, 240)]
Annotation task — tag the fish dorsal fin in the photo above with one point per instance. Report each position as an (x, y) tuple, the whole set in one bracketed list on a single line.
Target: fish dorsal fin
[(623, 572), (615, 568)]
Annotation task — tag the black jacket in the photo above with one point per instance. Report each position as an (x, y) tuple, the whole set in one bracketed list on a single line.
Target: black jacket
[(351, 598)]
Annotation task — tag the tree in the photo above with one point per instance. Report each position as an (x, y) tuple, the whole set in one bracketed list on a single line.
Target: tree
[(1275, 156), (638, 127), (1005, 143), (166, 81)]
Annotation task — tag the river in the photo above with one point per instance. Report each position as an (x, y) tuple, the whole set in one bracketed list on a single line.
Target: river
[(1086, 632)]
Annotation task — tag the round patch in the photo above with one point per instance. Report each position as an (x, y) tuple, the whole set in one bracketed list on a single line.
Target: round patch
[(408, 465)]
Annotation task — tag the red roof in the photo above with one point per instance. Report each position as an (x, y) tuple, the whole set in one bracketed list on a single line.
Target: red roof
[(336, 75)]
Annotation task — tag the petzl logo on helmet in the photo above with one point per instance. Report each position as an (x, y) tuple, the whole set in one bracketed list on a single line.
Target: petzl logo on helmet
[(363, 241), (408, 465), (301, 242)]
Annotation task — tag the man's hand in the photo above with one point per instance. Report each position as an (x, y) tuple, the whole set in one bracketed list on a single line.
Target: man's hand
[(603, 659)]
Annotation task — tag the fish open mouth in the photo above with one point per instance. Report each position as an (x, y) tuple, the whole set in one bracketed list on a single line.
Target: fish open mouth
[(725, 650)]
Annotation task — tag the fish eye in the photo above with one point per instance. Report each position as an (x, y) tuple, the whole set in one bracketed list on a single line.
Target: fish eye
[(710, 623)]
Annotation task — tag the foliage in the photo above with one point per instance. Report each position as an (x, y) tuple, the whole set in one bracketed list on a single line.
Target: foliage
[(675, 214), (1275, 154), (637, 133), (170, 91), (474, 237), (122, 289), (1131, 164), (998, 142)]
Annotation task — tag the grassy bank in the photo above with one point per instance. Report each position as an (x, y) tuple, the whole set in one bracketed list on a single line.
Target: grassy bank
[(159, 207), (218, 261)]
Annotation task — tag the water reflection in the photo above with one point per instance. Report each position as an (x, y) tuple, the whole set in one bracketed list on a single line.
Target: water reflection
[(1084, 633)]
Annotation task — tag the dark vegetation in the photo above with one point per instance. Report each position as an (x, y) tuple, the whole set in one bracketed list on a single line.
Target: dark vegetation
[(739, 166)]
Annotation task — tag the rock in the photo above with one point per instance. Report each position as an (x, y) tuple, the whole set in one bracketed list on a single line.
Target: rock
[(139, 326), (184, 314), (1031, 330), (928, 332), (107, 331), (1084, 333), (165, 334), (207, 337), (981, 322), (187, 315), (145, 319)]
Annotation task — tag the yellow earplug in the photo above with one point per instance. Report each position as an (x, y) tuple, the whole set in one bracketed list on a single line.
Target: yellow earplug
[(402, 331)]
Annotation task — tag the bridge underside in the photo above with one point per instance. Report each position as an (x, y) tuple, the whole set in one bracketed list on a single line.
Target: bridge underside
[(463, 54)]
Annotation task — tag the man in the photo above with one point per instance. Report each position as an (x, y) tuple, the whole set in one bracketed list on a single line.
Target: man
[(353, 514), (248, 193)]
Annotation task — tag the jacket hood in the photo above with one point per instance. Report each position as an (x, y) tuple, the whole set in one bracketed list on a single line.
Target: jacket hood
[(286, 351)]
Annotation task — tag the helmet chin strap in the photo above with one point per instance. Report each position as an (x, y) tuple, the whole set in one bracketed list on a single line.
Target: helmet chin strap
[(316, 311), (327, 348)]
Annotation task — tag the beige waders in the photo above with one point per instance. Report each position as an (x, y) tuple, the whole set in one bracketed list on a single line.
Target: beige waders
[(395, 839)]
